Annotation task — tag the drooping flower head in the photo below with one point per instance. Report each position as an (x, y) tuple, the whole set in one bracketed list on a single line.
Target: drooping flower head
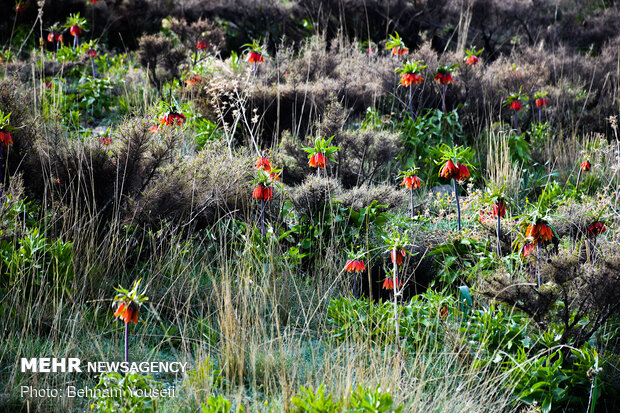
[(499, 209), (410, 73), (596, 229), (443, 75), (92, 53), (396, 45), (19, 8), (128, 303), (410, 179), (388, 283), (264, 181), (398, 255), (540, 99), (5, 128), (539, 232), (255, 52), (585, 166), (471, 57), (454, 162), (355, 266), (263, 163), (201, 44), (321, 152), (515, 101)]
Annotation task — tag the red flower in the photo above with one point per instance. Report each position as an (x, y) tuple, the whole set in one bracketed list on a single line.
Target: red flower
[(463, 172), (172, 119), (499, 209), (388, 284), (540, 102), (75, 30), (408, 79), (539, 232), (412, 182), (192, 80), (19, 9), (263, 193), (51, 37), (154, 128), (317, 160), (255, 57), (516, 105), (596, 229), (449, 170), (528, 249), (201, 45), (399, 51), (443, 79), (585, 166), (264, 163), (398, 256), (274, 177), (5, 138), (127, 313), (355, 266), (92, 53), (105, 140), (472, 60)]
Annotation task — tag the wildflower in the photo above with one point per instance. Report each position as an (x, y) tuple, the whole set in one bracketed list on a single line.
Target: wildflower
[(192, 80), (449, 170), (105, 140), (596, 229), (274, 177), (397, 45), (399, 51), (172, 118), (154, 128), (540, 102), (516, 106), (388, 283), (499, 209), (201, 45), (397, 256), (355, 266), (408, 79), (585, 166), (463, 172), (317, 160), (255, 57), (92, 53), (485, 217), (528, 249), (127, 312), (412, 182), (264, 163), (5, 138), (443, 78), (472, 60), (540, 232), (19, 8), (75, 31), (263, 193)]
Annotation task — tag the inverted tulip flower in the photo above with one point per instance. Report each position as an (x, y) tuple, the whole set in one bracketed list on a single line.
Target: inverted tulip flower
[(266, 178), (92, 53), (583, 168), (540, 100), (515, 103), (471, 57), (454, 167), (255, 54), (355, 266), (595, 229), (76, 25), (495, 196), (396, 45), (409, 77), (5, 140), (320, 153), (411, 182), (443, 76), (128, 303), (55, 36)]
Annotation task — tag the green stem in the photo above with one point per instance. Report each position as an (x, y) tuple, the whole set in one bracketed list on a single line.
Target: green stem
[(458, 205)]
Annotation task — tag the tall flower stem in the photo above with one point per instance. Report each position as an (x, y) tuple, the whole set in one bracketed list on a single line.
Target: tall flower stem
[(539, 115), (578, 180), (458, 205), (499, 235), (411, 102), (262, 217), (396, 295), (412, 205), (127, 342), (92, 63), (443, 98), (515, 121), (538, 276)]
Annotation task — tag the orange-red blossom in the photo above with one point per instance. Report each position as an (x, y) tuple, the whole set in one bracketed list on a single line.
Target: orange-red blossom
[(412, 182), (539, 232), (127, 312), (355, 266), (408, 79), (317, 160)]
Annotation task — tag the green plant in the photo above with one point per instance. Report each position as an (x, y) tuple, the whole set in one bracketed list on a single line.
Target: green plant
[(124, 394), (309, 401), (215, 405), (364, 400)]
